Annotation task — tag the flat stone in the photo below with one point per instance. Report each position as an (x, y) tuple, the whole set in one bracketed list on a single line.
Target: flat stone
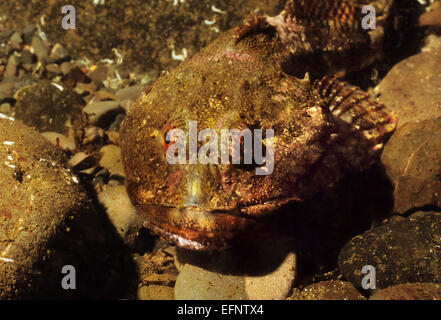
[(275, 285), (120, 211), (54, 68), (111, 160), (129, 93), (403, 252), (195, 283), (97, 110), (228, 276), (81, 161), (59, 140)]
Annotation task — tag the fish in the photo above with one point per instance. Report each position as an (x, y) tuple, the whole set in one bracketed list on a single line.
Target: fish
[(323, 128)]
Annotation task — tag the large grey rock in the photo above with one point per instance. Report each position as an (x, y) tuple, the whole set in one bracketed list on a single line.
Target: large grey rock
[(412, 159), (403, 252), (412, 88), (39, 201), (48, 107)]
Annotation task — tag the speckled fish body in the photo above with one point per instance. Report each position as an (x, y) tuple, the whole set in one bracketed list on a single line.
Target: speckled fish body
[(323, 130)]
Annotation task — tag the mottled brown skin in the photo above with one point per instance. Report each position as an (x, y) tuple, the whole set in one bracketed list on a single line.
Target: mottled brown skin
[(322, 131)]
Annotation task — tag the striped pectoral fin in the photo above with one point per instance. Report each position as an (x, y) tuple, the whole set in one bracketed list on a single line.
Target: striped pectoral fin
[(360, 124)]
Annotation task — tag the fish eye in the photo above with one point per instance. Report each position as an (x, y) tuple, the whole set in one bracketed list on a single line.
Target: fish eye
[(167, 141)]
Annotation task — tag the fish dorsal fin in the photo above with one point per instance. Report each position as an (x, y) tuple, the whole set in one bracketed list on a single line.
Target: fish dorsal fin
[(307, 26)]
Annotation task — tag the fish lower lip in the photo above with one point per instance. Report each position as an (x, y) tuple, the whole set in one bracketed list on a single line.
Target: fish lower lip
[(239, 211), (193, 228)]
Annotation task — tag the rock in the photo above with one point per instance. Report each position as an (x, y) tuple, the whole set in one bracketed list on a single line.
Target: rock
[(40, 200), (129, 93), (16, 37), (403, 252), (224, 276), (59, 140), (54, 68), (81, 161), (410, 291), (58, 52), (105, 94), (91, 134), (111, 160), (41, 51), (411, 89), (155, 292), (126, 104), (431, 18), (412, 159), (48, 107), (6, 89), (329, 290), (101, 112), (11, 67), (275, 285), (195, 283), (66, 67), (432, 44), (5, 108), (120, 211), (99, 73), (26, 57)]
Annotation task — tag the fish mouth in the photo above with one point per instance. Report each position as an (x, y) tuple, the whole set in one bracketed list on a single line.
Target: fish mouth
[(197, 229)]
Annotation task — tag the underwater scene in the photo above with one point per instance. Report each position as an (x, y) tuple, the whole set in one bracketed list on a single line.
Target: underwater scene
[(220, 150)]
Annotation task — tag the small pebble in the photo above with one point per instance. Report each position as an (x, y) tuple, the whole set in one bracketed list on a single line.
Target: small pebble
[(129, 93), (97, 110), (54, 68), (111, 160), (58, 52), (59, 140), (41, 51)]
